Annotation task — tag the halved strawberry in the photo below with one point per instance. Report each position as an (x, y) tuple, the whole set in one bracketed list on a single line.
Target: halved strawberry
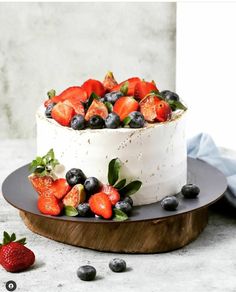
[(148, 107), (101, 205), (142, 88), (163, 111), (124, 106), (41, 184), (76, 196), (92, 85), (49, 205), (62, 113), (131, 85), (71, 93), (77, 106), (109, 81), (112, 193), (47, 102), (60, 188), (96, 108)]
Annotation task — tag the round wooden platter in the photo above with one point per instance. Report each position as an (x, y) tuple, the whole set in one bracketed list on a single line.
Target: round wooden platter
[(150, 229)]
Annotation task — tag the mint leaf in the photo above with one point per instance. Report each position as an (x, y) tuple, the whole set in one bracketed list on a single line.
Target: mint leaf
[(70, 211), (109, 106), (126, 121), (120, 184), (119, 215), (130, 188), (176, 105), (113, 171), (124, 88), (51, 93)]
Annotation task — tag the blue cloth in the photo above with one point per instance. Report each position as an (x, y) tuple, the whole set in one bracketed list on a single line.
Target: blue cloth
[(203, 147)]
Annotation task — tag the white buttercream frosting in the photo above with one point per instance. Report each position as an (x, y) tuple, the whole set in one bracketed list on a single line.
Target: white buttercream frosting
[(155, 154)]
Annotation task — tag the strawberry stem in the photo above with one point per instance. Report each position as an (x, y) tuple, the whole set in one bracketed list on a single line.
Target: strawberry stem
[(11, 238)]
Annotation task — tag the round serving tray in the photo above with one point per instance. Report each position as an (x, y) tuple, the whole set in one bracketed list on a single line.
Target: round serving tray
[(148, 229)]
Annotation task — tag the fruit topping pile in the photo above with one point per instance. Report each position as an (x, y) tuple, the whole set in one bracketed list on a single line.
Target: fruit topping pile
[(79, 195), (96, 105)]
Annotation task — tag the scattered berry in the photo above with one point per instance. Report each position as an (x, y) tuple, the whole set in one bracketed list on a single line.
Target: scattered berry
[(117, 265), (86, 273), (101, 205), (112, 193), (129, 200), (190, 191), (170, 203), (75, 176), (112, 121), (91, 185), (169, 95), (96, 122), (62, 113), (95, 86), (124, 106), (48, 110), (142, 88), (78, 122), (76, 196), (84, 210), (112, 97), (163, 111), (137, 120), (123, 206)]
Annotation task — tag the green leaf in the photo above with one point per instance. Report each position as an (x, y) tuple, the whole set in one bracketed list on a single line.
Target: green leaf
[(70, 211), (124, 88), (126, 121), (119, 215), (176, 105), (113, 171), (6, 238), (51, 93), (130, 188), (91, 98), (22, 241), (13, 237), (109, 106), (120, 184)]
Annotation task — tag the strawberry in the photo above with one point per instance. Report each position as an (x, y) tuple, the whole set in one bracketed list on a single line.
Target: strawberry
[(48, 204), (62, 113), (163, 111), (60, 188), (101, 205), (124, 106), (47, 102), (77, 106), (14, 256), (76, 196), (109, 81), (96, 108), (71, 93), (112, 193), (148, 107), (142, 88), (51, 93), (95, 86), (131, 85), (41, 184)]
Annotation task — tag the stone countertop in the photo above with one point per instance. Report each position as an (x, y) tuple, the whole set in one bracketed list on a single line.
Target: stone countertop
[(207, 264)]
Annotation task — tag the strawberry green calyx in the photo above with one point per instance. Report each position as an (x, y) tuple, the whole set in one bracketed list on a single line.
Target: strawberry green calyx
[(124, 88), (51, 93), (44, 165), (11, 238)]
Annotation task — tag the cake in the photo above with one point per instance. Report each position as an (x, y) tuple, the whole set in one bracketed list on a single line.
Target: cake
[(152, 151)]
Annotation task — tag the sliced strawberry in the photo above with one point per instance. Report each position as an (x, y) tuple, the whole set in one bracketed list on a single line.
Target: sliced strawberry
[(49, 205), (77, 106), (41, 184), (47, 102), (96, 108), (131, 85), (71, 93), (112, 194), (109, 81), (148, 107), (142, 88), (76, 196), (60, 188), (124, 106), (95, 86), (163, 111), (101, 205), (62, 113)]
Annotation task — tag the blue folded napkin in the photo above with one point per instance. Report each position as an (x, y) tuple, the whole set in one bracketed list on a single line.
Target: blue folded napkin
[(203, 147)]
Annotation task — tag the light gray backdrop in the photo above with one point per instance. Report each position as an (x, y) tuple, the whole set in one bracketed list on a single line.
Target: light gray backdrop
[(57, 45)]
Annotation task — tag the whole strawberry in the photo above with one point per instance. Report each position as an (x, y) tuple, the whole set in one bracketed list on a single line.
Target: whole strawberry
[(14, 256)]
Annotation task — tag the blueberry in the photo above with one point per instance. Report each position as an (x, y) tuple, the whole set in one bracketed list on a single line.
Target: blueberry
[(117, 265), (137, 120), (75, 176), (112, 121), (112, 97), (48, 110), (84, 210), (86, 273), (123, 206), (190, 191), (102, 99), (129, 200), (170, 95), (91, 185), (170, 203), (96, 122), (77, 122)]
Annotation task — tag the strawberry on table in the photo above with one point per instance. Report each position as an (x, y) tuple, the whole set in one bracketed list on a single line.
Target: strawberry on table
[(143, 88), (124, 106), (101, 205), (109, 81), (14, 256), (112, 193), (92, 85), (131, 82), (76, 196), (96, 108), (163, 111), (62, 113), (148, 107), (48, 204), (71, 93)]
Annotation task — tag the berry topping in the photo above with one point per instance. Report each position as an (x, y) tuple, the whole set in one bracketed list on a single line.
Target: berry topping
[(143, 88), (163, 111), (148, 107), (169, 95), (96, 122), (91, 185), (124, 206), (124, 106), (76, 196), (86, 273), (41, 184), (75, 176), (71, 93), (101, 205), (109, 81), (48, 204), (48, 110), (117, 265), (84, 210), (96, 108), (129, 200), (76, 105), (62, 113), (112, 97), (170, 203), (78, 122), (136, 120), (93, 86), (112, 193), (190, 191), (112, 121), (127, 86), (59, 188)]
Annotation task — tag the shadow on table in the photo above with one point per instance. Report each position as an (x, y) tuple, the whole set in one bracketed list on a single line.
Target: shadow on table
[(226, 205)]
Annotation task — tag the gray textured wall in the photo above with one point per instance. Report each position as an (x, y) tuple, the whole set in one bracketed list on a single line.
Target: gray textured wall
[(56, 45)]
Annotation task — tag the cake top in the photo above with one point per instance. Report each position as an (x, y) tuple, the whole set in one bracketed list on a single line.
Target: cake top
[(133, 103)]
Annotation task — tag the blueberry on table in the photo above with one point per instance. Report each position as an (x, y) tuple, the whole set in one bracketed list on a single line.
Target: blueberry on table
[(136, 120), (123, 206), (78, 122), (112, 96), (84, 210), (129, 200), (48, 110), (170, 203), (112, 121), (190, 191), (75, 176), (96, 122), (91, 185), (86, 273), (170, 95), (117, 265)]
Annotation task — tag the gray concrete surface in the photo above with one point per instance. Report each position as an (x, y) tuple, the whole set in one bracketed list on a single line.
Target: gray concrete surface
[(207, 264)]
